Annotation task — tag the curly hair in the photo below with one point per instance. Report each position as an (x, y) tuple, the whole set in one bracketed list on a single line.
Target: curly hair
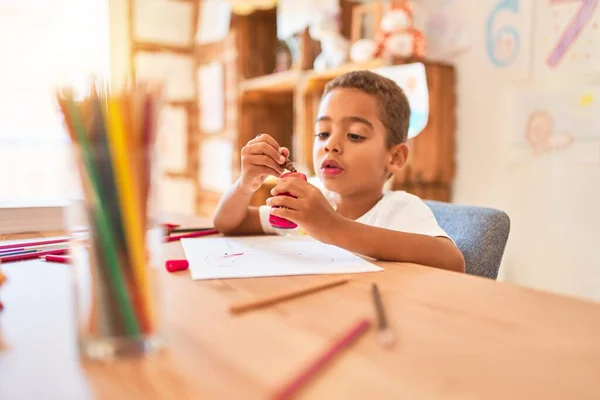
[(393, 104)]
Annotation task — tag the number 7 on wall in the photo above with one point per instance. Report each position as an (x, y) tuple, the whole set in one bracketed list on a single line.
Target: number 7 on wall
[(571, 32)]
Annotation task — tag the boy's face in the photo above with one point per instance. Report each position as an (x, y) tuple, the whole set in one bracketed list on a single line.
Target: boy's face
[(350, 155)]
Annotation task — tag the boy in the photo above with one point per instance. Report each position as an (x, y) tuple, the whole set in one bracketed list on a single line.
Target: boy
[(361, 133)]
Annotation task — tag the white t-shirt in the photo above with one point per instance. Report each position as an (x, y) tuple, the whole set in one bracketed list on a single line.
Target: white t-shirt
[(396, 210)]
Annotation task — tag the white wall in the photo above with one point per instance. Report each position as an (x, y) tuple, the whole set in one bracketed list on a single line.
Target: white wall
[(554, 206)]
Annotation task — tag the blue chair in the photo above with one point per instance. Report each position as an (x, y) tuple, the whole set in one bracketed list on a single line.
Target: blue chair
[(480, 233)]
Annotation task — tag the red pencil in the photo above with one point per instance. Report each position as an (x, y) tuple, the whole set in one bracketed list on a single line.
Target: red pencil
[(191, 235), (56, 259), (34, 255), (344, 341), (29, 244)]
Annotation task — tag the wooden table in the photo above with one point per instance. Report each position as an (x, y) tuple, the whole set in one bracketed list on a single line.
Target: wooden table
[(459, 337)]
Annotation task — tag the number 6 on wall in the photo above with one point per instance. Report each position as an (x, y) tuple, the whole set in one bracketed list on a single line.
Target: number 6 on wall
[(499, 47)]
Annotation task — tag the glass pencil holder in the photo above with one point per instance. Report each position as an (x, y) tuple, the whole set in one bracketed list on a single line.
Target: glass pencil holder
[(114, 241)]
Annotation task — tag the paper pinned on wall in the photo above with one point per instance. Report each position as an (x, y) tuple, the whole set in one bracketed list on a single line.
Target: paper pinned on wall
[(177, 196), (176, 71), (213, 21), (446, 26), (567, 39), (260, 256), (413, 80), (507, 36), (562, 124), (216, 169), (293, 15), (211, 92), (172, 139), (162, 21)]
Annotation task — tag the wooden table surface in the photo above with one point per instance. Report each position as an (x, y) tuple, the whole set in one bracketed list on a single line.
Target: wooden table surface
[(458, 337)]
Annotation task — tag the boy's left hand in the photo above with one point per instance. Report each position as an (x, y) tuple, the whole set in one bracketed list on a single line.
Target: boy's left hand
[(310, 209)]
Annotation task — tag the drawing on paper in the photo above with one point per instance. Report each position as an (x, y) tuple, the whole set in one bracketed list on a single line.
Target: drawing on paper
[(254, 256), (562, 122), (542, 136), (567, 38), (262, 251)]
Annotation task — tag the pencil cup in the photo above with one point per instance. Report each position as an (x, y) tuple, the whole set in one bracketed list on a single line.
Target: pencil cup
[(282, 223), (114, 243)]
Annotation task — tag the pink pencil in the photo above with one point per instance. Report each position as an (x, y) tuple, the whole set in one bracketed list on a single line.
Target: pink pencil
[(29, 256), (303, 377), (29, 244), (191, 235)]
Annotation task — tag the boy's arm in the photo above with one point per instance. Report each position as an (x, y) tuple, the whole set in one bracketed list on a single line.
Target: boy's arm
[(388, 245), (261, 157), (234, 215)]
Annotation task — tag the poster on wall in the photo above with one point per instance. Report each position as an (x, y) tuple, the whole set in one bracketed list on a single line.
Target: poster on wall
[(446, 26), (175, 70), (567, 37), (507, 33), (413, 80), (211, 97), (172, 139), (177, 196), (163, 21), (215, 168), (561, 124)]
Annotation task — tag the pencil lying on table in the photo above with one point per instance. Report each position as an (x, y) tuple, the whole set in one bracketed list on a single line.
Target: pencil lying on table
[(386, 336), (276, 298), (344, 341)]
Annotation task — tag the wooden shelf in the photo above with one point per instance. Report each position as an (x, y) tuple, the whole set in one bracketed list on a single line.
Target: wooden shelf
[(322, 77), (288, 81), (159, 47), (278, 82)]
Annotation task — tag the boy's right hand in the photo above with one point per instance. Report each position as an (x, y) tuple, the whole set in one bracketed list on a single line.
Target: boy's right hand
[(261, 157)]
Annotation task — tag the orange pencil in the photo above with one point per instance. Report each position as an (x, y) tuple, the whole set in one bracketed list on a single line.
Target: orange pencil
[(276, 298)]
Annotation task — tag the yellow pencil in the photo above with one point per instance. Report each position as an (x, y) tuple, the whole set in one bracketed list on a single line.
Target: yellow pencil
[(129, 200)]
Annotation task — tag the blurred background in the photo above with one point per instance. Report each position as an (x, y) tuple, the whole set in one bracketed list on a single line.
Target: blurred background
[(505, 97)]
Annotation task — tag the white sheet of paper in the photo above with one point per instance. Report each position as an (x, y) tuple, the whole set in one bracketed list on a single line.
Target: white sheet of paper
[(162, 21), (213, 21), (220, 258)]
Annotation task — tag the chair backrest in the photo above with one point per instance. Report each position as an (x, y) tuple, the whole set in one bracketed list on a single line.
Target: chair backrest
[(480, 233)]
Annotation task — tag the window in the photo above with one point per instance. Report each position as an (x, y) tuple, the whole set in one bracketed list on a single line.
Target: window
[(43, 44)]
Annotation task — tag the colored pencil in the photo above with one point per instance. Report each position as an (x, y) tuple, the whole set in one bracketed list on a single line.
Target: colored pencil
[(191, 235), (348, 338), (279, 297), (34, 248), (386, 336), (103, 223), (114, 136), (189, 230), (31, 256), (56, 259), (29, 244), (16, 252)]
